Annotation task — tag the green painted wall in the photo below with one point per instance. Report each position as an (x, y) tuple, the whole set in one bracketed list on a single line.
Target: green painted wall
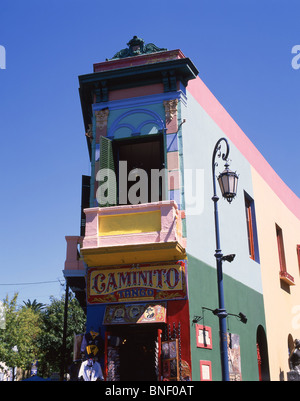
[(203, 292)]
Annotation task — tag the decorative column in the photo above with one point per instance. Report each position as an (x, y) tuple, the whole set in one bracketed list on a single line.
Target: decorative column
[(171, 115), (101, 123), (89, 133), (173, 164)]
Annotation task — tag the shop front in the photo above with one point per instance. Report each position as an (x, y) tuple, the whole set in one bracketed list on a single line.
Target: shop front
[(144, 320)]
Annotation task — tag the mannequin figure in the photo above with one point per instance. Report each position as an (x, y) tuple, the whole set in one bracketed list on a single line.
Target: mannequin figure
[(90, 370), (91, 343)]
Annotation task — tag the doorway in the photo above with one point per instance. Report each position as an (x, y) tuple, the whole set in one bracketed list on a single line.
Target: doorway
[(262, 354), (137, 353)]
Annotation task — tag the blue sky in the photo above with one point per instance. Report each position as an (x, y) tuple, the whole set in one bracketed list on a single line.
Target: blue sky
[(242, 50)]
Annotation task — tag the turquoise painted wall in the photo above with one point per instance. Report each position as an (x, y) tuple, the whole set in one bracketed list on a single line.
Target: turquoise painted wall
[(242, 282), (199, 136)]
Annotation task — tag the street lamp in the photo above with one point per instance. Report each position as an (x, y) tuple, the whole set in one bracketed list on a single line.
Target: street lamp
[(228, 185)]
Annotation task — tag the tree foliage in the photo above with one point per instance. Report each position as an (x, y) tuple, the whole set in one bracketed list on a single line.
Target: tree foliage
[(35, 332), (18, 339), (36, 306), (50, 340)]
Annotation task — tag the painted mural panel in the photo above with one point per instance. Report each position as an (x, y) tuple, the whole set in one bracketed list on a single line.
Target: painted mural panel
[(234, 357), (135, 313)]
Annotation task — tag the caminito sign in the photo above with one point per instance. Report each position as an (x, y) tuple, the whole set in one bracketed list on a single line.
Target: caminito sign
[(144, 283)]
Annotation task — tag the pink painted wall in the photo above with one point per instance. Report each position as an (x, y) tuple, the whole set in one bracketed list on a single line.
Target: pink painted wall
[(170, 225), (73, 261)]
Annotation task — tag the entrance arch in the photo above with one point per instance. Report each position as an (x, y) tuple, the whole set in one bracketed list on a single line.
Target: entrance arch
[(262, 354)]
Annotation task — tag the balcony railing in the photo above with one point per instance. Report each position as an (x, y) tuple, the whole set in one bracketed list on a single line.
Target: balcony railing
[(286, 277), (73, 258), (133, 234)]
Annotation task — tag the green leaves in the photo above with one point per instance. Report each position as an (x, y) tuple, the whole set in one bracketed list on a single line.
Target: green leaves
[(18, 338), (35, 330)]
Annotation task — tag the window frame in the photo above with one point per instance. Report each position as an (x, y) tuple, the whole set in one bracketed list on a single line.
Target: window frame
[(206, 364), (280, 247), (283, 273), (118, 143), (250, 228), (206, 331), (252, 237)]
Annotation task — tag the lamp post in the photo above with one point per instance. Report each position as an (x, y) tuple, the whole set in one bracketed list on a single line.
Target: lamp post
[(228, 185), (63, 355)]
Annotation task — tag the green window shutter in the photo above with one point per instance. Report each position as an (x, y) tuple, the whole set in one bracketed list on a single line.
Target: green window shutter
[(106, 177)]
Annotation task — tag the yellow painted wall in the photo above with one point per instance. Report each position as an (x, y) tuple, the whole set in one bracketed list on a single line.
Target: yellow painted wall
[(129, 223), (282, 308)]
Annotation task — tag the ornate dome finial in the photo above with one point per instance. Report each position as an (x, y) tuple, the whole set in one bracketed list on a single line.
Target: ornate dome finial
[(136, 46)]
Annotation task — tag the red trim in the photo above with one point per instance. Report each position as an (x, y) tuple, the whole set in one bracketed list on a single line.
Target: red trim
[(259, 362), (286, 277), (201, 340), (159, 334), (280, 249), (283, 274), (106, 354), (178, 311), (138, 60), (205, 363)]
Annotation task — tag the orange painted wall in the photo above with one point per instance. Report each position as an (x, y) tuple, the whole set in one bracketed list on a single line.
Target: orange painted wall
[(282, 302), (275, 203)]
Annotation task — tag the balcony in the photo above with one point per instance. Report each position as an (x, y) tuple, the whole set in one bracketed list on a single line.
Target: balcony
[(73, 259), (130, 234), (74, 271), (286, 277)]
